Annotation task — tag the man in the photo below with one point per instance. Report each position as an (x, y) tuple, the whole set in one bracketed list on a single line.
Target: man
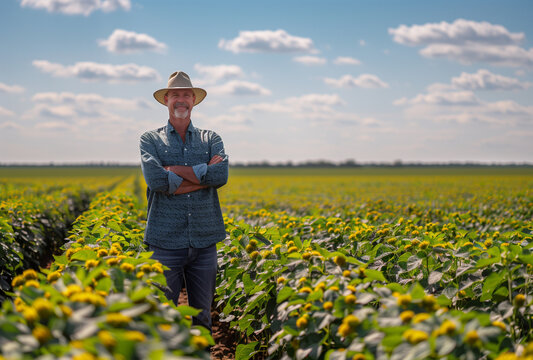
[(183, 167)]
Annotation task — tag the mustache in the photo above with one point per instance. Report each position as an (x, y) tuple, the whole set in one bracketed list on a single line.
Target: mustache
[(181, 104)]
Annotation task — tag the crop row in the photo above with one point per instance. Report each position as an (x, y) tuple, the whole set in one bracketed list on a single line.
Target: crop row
[(101, 297)]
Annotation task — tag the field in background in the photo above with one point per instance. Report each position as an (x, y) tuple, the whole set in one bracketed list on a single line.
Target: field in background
[(332, 263)]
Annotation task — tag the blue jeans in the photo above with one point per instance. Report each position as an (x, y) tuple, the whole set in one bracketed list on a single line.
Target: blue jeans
[(198, 268)]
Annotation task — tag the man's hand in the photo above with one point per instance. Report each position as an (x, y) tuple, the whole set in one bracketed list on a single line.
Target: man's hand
[(215, 160), (187, 187)]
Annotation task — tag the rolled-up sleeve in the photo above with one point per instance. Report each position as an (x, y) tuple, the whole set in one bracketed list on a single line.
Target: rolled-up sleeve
[(216, 175), (157, 178)]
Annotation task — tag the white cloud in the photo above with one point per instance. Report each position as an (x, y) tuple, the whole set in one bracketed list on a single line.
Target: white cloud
[(91, 71), (321, 108), (278, 41), (463, 107), (362, 42), (11, 89), (239, 88), (89, 100), (510, 55), (54, 126), (6, 112), (346, 60), (215, 73), (485, 80), (77, 7), (10, 125), (122, 41), (367, 81), (460, 32), (467, 42), (309, 60), (441, 98)]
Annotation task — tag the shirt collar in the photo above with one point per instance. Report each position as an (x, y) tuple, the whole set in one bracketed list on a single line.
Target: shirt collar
[(171, 129)]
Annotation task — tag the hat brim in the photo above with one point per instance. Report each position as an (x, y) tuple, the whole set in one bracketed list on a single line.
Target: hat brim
[(199, 94)]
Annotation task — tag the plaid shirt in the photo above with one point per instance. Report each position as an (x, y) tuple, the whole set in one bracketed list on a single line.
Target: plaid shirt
[(186, 220)]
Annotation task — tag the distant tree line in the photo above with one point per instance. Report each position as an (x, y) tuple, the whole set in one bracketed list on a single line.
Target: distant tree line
[(350, 163)]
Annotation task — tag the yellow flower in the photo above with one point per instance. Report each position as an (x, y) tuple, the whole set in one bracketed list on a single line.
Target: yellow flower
[(406, 316), (507, 356), (199, 342), (43, 307), (429, 303), (306, 289), (136, 336), (127, 267), (102, 253), (346, 273), (320, 286), (30, 274), (72, 289), (42, 334), (359, 357), (254, 254), (472, 337), (519, 300), (17, 281), (302, 322), (334, 288), (157, 267), (84, 356), (32, 283), (340, 260), (113, 261), (306, 255), (350, 299), (404, 300), (53, 276), (352, 321), (117, 319), (447, 328), (165, 327), (265, 254), (344, 330), (328, 305), (499, 324), (292, 249), (418, 318), (30, 314), (66, 310), (89, 264), (281, 280), (107, 339), (423, 245), (414, 336)]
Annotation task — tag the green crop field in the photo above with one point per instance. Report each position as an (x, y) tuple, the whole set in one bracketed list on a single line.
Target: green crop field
[(332, 263)]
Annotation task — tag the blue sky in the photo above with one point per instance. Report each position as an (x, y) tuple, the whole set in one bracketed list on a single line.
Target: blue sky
[(429, 81)]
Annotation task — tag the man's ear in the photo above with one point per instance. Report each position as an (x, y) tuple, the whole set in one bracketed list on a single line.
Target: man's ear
[(166, 99)]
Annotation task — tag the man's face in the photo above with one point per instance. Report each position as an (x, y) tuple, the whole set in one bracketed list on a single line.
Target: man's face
[(180, 102)]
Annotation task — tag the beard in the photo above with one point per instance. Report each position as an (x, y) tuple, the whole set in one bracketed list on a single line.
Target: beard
[(181, 114)]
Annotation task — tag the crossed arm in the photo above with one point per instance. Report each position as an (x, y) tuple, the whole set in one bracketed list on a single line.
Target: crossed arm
[(190, 182)]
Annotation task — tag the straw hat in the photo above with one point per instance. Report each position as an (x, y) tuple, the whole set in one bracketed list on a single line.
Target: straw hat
[(180, 80)]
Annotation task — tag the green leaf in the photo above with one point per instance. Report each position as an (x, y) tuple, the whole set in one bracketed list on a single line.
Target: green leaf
[(526, 259), (249, 284), (487, 261), (84, 255), (114, 225), (434, 277), (188, 310), (374, 275), (140, 294), (417, 291), (491, 283), (245, 351), (284, 294)]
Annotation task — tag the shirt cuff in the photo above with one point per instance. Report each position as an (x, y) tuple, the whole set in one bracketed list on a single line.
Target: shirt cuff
[(174, 182), (199, 171)]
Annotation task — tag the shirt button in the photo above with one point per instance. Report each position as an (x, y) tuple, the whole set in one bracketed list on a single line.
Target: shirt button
[(185, 149), (188, 195), (185, 163), (189, 214)]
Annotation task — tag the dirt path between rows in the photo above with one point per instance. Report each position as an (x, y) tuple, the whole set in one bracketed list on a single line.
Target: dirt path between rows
[(226, 340)]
